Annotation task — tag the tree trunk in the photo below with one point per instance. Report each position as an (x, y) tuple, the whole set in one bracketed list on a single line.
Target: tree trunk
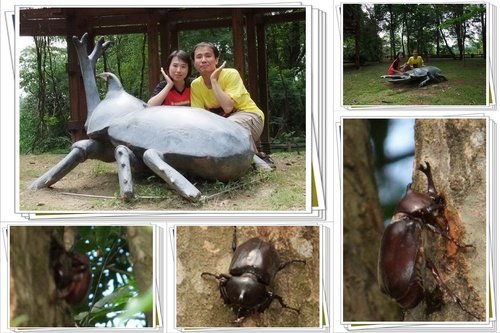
[(438, 52), (483, 32), (456, 152), (357, 36), (363, 227), (140, 242), (392, 32), (447, 46), (33, 301)]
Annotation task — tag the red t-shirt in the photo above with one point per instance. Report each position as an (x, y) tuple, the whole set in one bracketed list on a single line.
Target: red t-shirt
[(175, 97), (394, 66)]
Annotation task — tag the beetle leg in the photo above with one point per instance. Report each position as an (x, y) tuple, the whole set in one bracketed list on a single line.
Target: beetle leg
[(80, 151), (156, 162), (221, 277), (283, 305), (239, 319), (445, 234), (283, 265), (430, 265), (125, 160)]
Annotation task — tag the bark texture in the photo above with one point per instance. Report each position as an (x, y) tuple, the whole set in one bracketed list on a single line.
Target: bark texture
[(140, 242), (363, 226), (456, 152), (33, 301)]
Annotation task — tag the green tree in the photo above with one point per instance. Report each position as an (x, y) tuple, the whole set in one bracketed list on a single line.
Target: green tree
[(44, 102), (114, 264)]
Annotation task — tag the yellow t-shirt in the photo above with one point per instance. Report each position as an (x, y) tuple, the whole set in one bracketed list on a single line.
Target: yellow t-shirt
[(419, 62), (231, 83)]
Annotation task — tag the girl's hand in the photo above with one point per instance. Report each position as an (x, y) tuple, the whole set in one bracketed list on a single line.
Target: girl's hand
[(166, 77), (216, 73)]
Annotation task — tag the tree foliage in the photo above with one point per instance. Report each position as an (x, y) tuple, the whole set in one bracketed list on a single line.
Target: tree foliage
[(44, 101), (36, 251), (44, 110), (451, 30), (114, 282)]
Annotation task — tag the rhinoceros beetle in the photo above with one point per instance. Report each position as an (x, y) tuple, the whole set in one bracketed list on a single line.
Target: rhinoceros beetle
[(71, 273), (248, 286), (402, 255)]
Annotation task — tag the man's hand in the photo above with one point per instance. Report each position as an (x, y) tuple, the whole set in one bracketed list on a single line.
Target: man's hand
[(216, 73)]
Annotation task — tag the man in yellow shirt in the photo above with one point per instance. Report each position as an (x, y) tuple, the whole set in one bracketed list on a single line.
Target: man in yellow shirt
[(221, 90), (415, 61)]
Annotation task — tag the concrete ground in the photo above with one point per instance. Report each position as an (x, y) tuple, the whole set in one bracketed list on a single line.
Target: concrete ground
[(208, 249)]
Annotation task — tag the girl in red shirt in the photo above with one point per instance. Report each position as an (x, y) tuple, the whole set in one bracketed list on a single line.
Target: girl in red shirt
[(395, 68), (176, 88)]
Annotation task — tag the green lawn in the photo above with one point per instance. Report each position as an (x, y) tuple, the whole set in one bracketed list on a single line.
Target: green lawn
[(466, 85)]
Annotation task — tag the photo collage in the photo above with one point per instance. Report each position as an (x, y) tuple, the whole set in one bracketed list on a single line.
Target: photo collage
[(248, 167)]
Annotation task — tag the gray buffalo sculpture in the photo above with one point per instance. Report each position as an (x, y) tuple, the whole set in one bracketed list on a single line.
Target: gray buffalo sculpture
[(423, 75), (171, 141)]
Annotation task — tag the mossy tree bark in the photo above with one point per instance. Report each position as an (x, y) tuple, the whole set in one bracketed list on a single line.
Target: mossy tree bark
[(363, 226), (140, 242), (33, 301), (456, 152)]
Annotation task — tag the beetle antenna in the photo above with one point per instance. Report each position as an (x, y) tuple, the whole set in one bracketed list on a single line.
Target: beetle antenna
[(234, 240), (283, 265), (283, 305)]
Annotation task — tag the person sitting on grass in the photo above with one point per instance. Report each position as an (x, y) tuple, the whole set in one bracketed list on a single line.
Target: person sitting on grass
[(395, 68), (415, 61)]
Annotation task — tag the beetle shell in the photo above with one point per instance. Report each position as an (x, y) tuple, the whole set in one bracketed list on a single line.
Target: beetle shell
[(399, 262), (245, 292), (257, 257), (80, 284), (413, 201)]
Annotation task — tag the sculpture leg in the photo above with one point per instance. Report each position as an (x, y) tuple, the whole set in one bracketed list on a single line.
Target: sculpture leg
[(441, 77), (80, 151), (124, 157), (260, 164), (424, 82), (154, 160)]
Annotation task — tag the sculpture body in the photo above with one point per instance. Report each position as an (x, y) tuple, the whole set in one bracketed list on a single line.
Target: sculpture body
[(423, 75), (167, 139)]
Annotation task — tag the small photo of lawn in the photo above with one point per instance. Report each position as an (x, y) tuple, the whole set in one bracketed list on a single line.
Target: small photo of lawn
[(411, 54)]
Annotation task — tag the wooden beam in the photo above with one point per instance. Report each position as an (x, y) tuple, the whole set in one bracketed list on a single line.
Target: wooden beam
[(285, 17), (205, 24)]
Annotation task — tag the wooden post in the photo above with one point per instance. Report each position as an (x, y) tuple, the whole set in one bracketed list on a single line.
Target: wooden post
[(262, 64), (253, 87), (153, 60), (239, 49), (78, 104)]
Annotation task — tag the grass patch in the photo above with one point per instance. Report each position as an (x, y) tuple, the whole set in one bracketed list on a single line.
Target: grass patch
[(93, 186), (466, 85)]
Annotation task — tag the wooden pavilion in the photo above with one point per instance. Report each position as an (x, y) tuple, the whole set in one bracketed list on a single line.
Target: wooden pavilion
[(162, 26)]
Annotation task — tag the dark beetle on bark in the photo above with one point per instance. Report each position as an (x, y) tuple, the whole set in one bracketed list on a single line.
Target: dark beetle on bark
[(71, 273), (248, 286), (402, 255)]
